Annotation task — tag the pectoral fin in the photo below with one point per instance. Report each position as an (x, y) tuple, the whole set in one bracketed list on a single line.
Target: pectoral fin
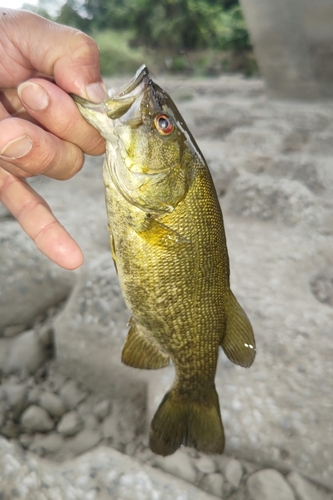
[(238, 342), (157, 233), (113, 249), (140, 352)]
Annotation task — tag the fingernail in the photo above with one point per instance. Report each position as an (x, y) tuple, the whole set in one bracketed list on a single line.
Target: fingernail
[(33, 96), (96, 92), (17, 148)]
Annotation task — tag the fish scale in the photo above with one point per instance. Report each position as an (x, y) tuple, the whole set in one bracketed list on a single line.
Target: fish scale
[(169, 246)]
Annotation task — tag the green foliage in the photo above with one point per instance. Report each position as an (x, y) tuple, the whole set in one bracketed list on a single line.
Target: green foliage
[(173, 25), (116, 55), (192, 36)]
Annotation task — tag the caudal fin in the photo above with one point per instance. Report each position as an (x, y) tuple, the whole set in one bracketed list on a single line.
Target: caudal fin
[(180, 420)]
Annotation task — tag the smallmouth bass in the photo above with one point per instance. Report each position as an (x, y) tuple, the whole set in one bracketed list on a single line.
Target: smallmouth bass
[(169, 248)]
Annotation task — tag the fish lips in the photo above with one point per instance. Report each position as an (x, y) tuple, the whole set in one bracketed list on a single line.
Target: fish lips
[(122, 104)]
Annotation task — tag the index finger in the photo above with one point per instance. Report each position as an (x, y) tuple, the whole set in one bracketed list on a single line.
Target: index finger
[(66, 54)]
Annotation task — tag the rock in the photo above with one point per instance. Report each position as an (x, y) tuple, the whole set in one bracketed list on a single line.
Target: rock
[(90, 333), (221, 169), (36, 419), (71, 394), (22, 353), (233, 472), (205, 464), (34, 394), (70, 424), (304, 489), (17, 398), (84, 441), (47, 445), (102, 474), (26, 439), (101, 409), (52, 403), (322, 286), (268, 484), (109, 427), (10, 429), (212, 483), (179, 464), (302, 168), (24, 293), (270, 199), (11, 331)]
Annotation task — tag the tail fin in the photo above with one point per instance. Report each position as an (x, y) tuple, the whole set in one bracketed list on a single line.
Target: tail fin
[(180, 420)]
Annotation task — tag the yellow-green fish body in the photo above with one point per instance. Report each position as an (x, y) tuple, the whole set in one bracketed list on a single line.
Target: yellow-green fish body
[(169, 248)]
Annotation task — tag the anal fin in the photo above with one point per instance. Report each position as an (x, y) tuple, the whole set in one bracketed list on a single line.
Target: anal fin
[(140, 352), (238, 342)]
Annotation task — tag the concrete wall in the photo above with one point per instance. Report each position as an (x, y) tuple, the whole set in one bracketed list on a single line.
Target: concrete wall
[(293, 43)]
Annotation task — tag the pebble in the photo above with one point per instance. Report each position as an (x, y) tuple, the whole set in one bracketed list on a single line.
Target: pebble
[(49, 444), (84, 441), (268, 484), (109, 427), (16, 395), (205, 464), (304, 489), (101, 409), (12, 330), (22, 353), (233, 472), (52, 403), (36, 419), (70, 424), (213, 484), (71, 394), (179, 464), (10, 429)]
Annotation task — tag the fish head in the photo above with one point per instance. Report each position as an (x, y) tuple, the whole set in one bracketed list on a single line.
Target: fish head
[(150, 152)]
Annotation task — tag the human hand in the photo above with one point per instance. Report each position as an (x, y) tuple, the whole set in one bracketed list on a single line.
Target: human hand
[(41, 130)]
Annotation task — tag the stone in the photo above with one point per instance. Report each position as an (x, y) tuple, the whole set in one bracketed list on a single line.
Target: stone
[(10, 429), (24, 293), (36, 419), (322, 286), (304, 489), (109, 427), (23, 353), (71, 423), (84, 441), (205, 464), (266, 198), (52, 403), (101, 474), (47, 444), (12, 330), (233, 472), (212, 483), (268, 484), (179, 464), (17, 397), (101, 409), (71, 394)]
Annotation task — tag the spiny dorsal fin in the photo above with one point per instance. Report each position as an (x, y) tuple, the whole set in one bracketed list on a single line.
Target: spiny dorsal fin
[(140, 352), (238, 342)]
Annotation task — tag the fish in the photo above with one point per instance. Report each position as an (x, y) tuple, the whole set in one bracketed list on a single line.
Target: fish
[(169, 247)]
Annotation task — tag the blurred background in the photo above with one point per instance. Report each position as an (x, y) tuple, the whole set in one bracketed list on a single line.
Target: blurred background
[(187, 36)]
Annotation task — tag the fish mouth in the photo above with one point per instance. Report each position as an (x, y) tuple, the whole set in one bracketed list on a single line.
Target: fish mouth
[(120, 103)]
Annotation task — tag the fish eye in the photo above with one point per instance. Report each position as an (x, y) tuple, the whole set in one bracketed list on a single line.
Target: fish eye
[(163, 124)]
